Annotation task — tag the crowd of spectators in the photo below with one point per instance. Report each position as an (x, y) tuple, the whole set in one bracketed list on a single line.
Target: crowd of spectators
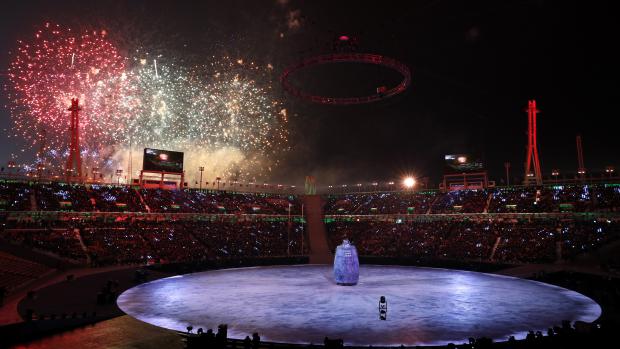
[(528, 199), (147, 242), (379, 203), (169, 240), (56, 196), (59, 196), (115, 198), (558, 198), (15, 196), (461, 201), (62, 241), (510, 241), (194, 201), (109, 243), (251, 239)]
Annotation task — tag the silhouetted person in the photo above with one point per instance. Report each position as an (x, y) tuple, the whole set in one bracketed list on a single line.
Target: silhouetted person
[(255, 340), (222, 336), (209, 338), (333, 343), (382, 308), (247, 342), (530, 336)]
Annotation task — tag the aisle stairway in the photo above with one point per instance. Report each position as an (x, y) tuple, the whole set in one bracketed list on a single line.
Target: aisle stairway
[(488, 203), (319, 250), (495, 245), (33, 203), (78, 236), (430, 207), (148, 209)]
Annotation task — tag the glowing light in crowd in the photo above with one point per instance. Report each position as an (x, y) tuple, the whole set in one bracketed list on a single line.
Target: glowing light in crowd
[(409, 182)]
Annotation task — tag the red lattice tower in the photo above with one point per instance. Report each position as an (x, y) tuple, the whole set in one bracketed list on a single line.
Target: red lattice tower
[(532, 163), (74, 162), (581, 170)]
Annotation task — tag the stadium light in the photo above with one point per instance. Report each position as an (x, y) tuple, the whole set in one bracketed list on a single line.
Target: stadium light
[(409, 182), (119, 173), (201, 169)]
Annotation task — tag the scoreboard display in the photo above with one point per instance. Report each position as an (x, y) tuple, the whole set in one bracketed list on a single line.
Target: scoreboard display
[(162, 160), (462, 163)]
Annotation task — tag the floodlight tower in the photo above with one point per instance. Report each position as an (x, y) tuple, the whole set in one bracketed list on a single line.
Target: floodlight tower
[(581, 170), (42, 144), (532, 163), (42, 147), (74, 162)]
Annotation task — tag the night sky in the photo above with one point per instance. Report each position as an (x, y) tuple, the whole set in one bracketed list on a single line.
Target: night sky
[(475, 64)]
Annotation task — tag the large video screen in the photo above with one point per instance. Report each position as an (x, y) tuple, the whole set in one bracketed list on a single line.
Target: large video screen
[(462, 163), (162, 160)]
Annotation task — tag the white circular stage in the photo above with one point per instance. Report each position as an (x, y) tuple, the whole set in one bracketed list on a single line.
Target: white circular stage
[(302, 304)]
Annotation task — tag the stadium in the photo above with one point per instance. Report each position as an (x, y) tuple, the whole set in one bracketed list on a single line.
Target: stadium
[(268, 175)]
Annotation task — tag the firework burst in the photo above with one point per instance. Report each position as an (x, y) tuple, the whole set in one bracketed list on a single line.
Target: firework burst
[(220, 113), (50, 70)]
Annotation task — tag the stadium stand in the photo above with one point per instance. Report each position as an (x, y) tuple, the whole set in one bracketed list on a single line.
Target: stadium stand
[(106, 225), (15, 271)]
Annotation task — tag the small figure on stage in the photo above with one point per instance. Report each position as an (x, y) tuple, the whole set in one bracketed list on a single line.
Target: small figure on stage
[(382, 308)]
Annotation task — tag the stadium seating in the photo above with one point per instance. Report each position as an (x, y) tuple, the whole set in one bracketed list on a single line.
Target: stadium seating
[(556, 198), (15, 271), (509, 241), (55, 196), (118, 239)]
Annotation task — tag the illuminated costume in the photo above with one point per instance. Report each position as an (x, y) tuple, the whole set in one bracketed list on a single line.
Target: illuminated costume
[(346, 265)]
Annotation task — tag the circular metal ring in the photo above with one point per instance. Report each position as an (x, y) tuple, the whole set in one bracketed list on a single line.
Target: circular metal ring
[(366, 58)]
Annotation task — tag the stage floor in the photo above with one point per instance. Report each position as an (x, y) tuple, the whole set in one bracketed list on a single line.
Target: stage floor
[(302, 304)]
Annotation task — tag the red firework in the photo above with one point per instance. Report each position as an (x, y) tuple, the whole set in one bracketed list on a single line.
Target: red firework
[(54, 67)]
